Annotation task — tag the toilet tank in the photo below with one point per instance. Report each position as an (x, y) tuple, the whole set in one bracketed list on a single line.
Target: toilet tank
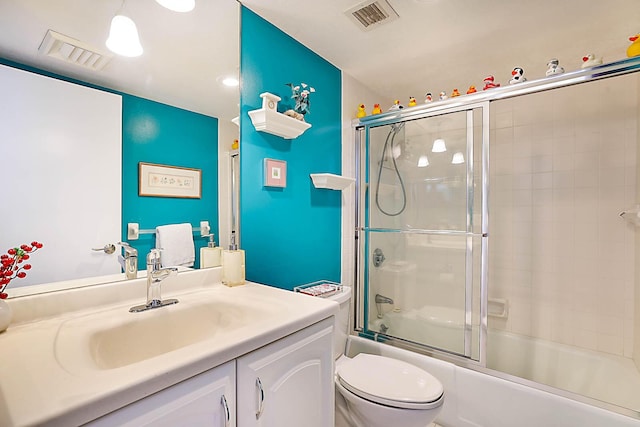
[(342, 320)]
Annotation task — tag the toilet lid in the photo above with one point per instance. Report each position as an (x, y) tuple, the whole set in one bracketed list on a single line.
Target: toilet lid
[(390, 382)]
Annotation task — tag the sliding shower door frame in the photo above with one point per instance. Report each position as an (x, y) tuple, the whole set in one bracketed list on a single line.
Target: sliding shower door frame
[(362, 227)]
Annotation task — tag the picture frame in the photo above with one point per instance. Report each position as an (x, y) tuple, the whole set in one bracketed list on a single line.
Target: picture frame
[(169, 181), (275, 173)]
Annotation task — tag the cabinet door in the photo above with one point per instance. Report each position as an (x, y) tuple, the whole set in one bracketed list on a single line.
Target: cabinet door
[(198, 401), (289, 383)]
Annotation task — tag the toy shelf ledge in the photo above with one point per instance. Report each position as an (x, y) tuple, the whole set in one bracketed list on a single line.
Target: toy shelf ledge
[(275, 123), (331, 181)]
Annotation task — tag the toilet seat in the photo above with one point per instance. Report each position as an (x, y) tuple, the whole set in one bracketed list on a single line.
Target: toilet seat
[(390, 382)]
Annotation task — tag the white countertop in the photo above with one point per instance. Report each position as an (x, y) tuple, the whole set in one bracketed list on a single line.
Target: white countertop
[(48, 378)]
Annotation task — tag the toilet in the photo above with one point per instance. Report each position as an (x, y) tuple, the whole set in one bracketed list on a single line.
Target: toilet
[(378, 391)]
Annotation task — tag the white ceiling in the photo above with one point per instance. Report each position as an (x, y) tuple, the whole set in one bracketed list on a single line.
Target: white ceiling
[(439, 45), (185, 54), (435, 45)]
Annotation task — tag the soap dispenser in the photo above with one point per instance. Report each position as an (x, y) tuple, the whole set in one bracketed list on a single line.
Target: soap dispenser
[(211, 256), (233, 264)]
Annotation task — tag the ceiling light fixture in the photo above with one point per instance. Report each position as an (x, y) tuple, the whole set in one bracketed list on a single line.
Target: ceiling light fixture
[(230, 81), (458, 158), (123, 37), (439, 146), (178, 5), (423, 161)]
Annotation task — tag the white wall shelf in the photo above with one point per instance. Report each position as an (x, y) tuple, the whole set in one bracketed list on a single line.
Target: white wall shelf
[(331, 181), (267, 119)]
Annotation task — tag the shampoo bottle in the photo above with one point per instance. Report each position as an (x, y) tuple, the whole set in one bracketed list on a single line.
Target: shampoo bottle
[(233, 264), (211, 256)]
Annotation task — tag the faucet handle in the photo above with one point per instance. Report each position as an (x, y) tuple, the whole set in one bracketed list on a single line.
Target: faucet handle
[(154, 256)]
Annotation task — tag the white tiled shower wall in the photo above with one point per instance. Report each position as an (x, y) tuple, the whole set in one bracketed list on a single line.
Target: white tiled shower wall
[(562, 168)]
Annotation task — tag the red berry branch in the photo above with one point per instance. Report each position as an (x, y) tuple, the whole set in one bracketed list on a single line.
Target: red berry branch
[(11, 265)]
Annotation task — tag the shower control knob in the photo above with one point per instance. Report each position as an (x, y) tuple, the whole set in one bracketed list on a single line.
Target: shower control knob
[(378, 257)]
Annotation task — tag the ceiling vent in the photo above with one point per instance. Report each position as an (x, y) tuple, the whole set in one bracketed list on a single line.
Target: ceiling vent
[(72, 51), (371, 14)]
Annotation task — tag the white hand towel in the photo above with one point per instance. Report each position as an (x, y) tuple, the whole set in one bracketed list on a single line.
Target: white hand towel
[(176, 242)]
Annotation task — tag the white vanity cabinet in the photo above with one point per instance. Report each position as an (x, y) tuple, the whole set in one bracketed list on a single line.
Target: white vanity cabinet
[(207, 399), (289, 383)]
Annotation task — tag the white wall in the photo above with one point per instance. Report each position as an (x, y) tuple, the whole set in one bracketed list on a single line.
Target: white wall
[(354, 93), (61, 153)]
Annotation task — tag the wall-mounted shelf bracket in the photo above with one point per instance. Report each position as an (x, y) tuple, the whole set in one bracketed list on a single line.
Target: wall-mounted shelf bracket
[(267, 119)]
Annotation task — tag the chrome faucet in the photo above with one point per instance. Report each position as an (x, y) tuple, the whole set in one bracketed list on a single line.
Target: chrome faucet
[(129, 261), (381, 299), (155, 275)]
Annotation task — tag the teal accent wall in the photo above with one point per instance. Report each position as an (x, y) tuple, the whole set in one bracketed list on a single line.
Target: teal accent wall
[(162, 134), (158, 133), (292, 235)]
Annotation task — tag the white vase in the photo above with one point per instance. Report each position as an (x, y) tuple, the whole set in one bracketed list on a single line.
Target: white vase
[(5, 315)]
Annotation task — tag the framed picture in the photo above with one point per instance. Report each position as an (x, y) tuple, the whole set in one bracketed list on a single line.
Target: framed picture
[(169, 181), (275, 173)]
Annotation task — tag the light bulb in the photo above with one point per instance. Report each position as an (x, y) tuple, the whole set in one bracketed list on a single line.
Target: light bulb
[(230, 81), (439, 146), (123, 37), (178, 5), (458, 158), (423, 161)]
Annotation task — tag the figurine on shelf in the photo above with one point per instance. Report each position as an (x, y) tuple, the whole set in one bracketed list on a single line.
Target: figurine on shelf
[(553, 67), (235, 145), (634, 47), (455, 93), (376, 109), (412, 102), (428, 98), (396, 105), (489, 83), (300, 94), (361, 112), (472, 89), (443, 96), (294, 115), (590, 60), (517, 76)]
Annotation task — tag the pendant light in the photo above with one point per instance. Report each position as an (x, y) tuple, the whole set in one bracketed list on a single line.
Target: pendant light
[(178, 5), (458, 158), (423, 161), (123, 36), (439, 146)]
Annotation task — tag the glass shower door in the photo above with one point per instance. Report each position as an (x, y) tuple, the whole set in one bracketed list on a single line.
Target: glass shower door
[(423, 231)]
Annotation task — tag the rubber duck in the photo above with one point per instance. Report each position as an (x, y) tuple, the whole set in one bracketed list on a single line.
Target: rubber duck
[(455, 93), (634, 48), (590, 61), (489, 83), (412, 102), (396, 105), (428, 98), (376, 109), (517, 76), (361, 112), (443, 96), (472, 89), (553, 67)]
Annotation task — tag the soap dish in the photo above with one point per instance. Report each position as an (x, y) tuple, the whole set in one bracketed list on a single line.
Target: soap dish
[(321, 288)]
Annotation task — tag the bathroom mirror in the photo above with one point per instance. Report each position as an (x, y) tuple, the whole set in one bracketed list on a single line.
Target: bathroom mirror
[(186, 58)]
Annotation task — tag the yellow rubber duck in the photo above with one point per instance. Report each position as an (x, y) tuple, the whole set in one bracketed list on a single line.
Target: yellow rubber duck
[(376, 109), (412, 102), (361, 112), (472, 89), (455, 93), (634, 48)]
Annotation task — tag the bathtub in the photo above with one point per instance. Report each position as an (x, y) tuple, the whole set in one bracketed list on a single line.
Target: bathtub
[(601, 376)]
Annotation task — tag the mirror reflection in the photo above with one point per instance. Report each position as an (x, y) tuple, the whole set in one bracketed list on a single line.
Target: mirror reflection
[(77, 140)]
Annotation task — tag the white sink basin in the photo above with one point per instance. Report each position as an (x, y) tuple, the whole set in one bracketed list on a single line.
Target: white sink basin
[(116, 338)]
